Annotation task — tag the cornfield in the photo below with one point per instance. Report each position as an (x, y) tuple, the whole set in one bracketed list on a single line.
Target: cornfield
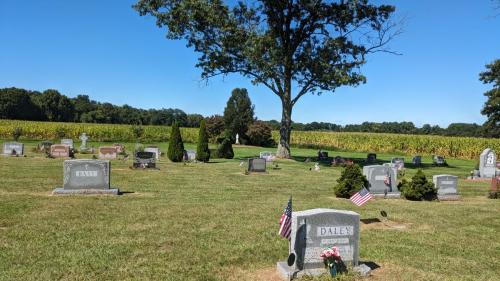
[(455, 147)]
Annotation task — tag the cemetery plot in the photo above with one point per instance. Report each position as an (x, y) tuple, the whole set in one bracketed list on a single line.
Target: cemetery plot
[(86, 177), (13, 149)]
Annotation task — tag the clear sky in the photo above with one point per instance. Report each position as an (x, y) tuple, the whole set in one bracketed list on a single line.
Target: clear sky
[(106, 50)]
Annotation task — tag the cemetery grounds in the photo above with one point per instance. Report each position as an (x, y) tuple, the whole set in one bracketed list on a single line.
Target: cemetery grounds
[(194, 221)]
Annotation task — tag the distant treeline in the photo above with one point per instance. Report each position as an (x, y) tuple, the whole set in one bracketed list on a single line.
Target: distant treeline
[(50, 105)]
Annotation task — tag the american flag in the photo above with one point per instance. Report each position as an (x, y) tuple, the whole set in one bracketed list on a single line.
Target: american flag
[(361, 197), (286, 221), (387, 179)]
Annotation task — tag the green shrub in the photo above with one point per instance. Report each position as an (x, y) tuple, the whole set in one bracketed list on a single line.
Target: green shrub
[(419, 188), (351, 181), (260, 134), (225, 148), (402, 184), (16, 133), (202, 151), (175, 145)]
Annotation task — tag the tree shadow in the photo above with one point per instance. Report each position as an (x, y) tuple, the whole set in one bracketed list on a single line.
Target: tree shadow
[(372, 265), (125, 192), (370, 220)]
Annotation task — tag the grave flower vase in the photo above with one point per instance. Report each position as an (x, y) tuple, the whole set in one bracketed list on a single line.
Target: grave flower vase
[(333, 271)]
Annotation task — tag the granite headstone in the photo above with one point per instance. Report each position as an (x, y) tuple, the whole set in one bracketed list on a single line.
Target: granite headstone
[(382, 179), (84, 176), (155, 150), (256, 165), (143, 159), (13, 149), (107, 152), (60, 150), (487, 163), (316, 230), (67, 142)]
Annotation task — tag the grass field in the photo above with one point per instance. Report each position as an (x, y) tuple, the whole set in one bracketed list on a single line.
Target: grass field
[(211, 222)]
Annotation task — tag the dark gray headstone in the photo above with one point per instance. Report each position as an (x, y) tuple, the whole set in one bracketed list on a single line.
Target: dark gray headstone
[(417, 160), (446, 184), (256, 165), (438, 160), (487, 163), (314, 231), (144, 159), (371, 158), (84, 176), (13, 148)]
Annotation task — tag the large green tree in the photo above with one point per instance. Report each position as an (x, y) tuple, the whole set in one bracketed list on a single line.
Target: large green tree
[(238, 114), (492, 106), (293, 47), (54, 106)]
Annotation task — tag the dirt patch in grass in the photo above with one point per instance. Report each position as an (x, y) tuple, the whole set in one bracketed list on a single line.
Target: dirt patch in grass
[(367, 224)]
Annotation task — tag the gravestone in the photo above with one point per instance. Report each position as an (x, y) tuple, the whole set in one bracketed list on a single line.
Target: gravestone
[(446, 186), (382, 180), (256, 165), (189, 155), (417, 160), (13, 149), (371, 158), (84, 176), (107, 152), (155, 150), (268, 156), (438, 160), (83, 138), (338, 160), (67, 142), (60, 150), (487, 163), (120, 148), (322, 155), (143, 159), (398, 162), (316, 230), (45, 145)]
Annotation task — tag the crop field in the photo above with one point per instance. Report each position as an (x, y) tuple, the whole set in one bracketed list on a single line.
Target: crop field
[(455, 147), (194, 221)]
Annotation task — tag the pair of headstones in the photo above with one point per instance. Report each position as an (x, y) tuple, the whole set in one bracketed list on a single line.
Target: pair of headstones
[(398, 163), (268, 156), (13, 149), (86, 176), (314, 231)]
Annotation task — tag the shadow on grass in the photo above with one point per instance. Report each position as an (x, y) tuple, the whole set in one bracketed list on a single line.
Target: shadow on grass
[(370, 264), (125, 192), (370, 220)]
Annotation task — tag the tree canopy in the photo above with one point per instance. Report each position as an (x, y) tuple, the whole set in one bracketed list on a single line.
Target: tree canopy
[(309, 45), (492, 106)]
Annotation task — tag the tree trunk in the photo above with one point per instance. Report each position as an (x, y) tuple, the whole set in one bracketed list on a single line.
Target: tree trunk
[(285, 130)]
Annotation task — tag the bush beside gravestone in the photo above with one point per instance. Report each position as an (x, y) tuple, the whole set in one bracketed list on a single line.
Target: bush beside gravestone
[(419, 188), (202, 151), (175, 146), (225, 149), (351, 181)]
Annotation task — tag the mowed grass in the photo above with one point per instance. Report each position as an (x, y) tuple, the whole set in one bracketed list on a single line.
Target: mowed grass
[(211, 222)]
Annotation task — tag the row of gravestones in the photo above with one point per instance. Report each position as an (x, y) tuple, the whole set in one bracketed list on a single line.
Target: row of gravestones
[(416, 160)]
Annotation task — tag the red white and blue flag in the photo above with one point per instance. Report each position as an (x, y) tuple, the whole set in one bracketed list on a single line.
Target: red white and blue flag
[(286, 221), (361, 197)]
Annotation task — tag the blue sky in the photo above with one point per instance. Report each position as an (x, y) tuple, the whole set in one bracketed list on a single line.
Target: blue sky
[(106, 50)]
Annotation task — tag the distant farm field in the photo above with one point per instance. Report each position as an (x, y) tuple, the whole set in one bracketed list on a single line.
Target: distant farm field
[(456, 147)]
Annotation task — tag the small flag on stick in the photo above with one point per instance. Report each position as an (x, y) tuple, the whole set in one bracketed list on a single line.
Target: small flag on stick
[(286, 221), (361, 197)]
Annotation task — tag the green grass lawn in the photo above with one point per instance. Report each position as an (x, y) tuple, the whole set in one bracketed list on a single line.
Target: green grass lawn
[(211, 222)]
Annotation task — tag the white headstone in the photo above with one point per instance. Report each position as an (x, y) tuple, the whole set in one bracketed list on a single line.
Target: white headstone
[(487, 163), (237, 139)]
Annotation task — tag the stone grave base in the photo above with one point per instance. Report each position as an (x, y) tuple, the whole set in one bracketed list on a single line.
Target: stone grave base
[(449, 197), (62, 191), (288, 273), (390, 195)]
